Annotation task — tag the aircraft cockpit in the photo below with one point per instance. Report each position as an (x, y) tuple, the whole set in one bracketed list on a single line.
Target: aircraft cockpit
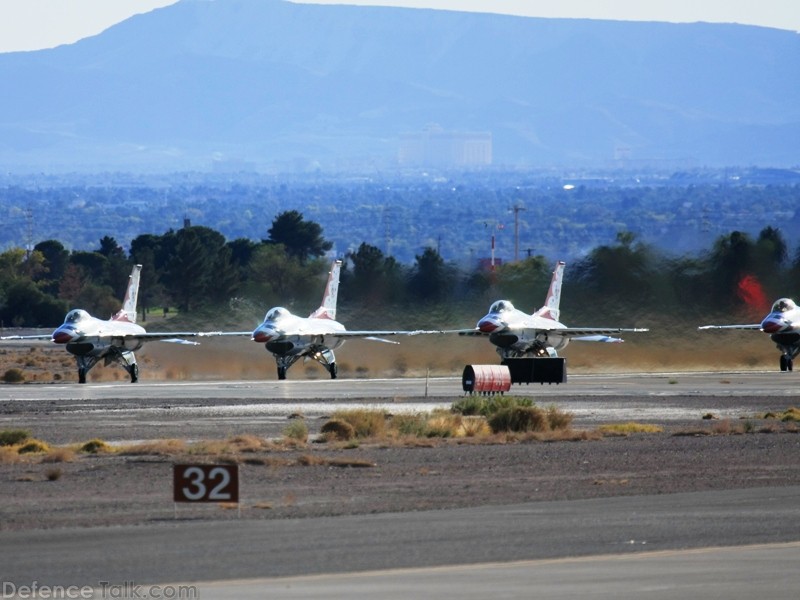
[(501, 306), (783, 305), (275, 314), (75, 315)]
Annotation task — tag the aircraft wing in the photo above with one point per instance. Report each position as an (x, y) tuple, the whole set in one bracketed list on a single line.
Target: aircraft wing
[(47, 336), (585, 334), (173, 337), (756, 326), (375, 335)]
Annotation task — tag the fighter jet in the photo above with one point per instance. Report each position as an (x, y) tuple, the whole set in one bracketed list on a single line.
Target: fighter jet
[(91, 339), (540, 334), (782, 324), (290, 337)]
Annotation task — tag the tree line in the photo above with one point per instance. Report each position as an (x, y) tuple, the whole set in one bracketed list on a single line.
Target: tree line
[(195, 269)]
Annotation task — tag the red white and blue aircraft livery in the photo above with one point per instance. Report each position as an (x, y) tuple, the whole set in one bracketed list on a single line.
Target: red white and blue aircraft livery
[(91, 339), (289, 337), (782, 324), (540, 334)]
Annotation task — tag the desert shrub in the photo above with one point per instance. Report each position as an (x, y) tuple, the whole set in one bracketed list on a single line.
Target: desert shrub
[(519, 419), (474, 427), (488, 405), (12, 437), (558, 419), (53, 474), (409, 424), (366, 423), (470, 406), (296, 430), (443, 425), (95, 446), (14, 375), (338, 430), (33, 446)]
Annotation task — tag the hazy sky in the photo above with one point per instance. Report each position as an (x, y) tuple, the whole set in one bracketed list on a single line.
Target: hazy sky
[(35, 24)]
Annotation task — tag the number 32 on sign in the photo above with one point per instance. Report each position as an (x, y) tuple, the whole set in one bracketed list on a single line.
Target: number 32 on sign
[(205, 483)]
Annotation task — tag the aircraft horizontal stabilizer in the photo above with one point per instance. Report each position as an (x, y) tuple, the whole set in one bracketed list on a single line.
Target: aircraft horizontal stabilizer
[(750, 326), (372, 338)]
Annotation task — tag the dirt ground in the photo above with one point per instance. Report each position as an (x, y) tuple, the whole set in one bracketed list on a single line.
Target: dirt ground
[(81, 490)]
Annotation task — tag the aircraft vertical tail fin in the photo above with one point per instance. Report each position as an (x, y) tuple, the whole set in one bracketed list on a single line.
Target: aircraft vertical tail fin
[(551, 309), (128, 310), (327, 310)]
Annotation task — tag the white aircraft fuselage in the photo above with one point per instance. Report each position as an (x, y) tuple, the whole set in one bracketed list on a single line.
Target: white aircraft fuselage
[(85, 335), (519, 333), (782, 324)]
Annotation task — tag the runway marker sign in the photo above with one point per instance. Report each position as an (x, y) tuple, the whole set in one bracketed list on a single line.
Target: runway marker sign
[(205, 483)]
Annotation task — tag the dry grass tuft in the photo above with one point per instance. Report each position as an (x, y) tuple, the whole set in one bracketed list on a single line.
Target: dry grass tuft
[(59, 455), (33, 446), (366, 423), (8, 455), (624, 429), (96, 446), (249, 443), (337, 430), (156, 448)]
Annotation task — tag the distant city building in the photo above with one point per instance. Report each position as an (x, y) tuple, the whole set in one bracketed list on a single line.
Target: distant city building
[(435, 147)]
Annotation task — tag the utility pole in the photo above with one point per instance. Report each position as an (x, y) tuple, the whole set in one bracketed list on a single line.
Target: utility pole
[(517, 208)]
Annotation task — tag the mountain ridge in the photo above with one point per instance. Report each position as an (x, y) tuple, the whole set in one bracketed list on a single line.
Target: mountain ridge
[(280, 85)]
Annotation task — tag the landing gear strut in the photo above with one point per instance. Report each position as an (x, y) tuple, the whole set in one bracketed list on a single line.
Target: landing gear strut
[(786, 362)]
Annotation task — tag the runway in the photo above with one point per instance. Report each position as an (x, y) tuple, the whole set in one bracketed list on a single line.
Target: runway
[(733, 544), (69, 412), (720, 544)]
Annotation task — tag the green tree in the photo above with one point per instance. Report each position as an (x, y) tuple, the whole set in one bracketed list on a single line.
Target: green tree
[(301, 239), (376, 280), (432, 279), (56, 258), (25, 305)]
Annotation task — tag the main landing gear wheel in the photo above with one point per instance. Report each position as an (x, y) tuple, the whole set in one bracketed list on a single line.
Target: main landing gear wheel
[(333, 370), (82, 375), (281, 373), (134, 372), (786, 363)]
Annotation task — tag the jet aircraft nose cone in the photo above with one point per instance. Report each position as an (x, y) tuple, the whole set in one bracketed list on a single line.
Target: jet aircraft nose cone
[(63, 336), (775, 324), (490, 324), (262, 335)]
